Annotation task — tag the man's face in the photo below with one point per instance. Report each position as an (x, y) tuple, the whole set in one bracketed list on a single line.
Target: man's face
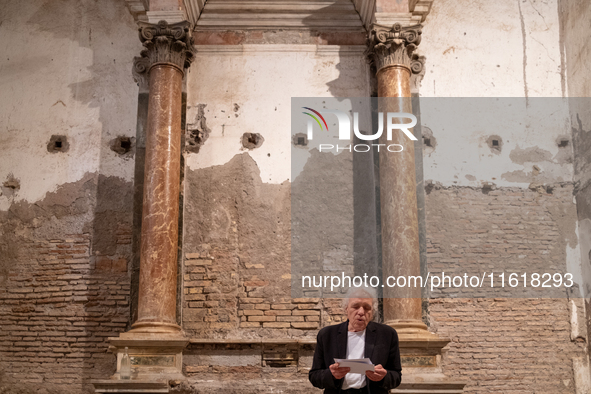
[(359, 312)]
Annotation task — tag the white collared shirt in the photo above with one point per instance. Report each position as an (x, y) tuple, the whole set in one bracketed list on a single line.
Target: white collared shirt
[(355, 349)]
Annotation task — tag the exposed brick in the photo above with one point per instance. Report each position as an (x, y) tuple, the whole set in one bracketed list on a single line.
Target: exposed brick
[(305, 325), (261, 318), (250, 312), (276, 325)]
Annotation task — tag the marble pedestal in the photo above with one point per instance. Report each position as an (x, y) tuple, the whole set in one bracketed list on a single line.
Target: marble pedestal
[(156, 363), (420, 353)]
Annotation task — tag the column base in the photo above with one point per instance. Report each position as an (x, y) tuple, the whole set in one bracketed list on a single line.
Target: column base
[(155, 327), (156, 361), (128, 386), (420, 354), (428, 384), (410, 329)]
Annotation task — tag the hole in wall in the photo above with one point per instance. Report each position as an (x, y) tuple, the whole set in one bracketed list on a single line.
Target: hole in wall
[(562, 142), (429, 141), (10, 187), (300, 139), (122, 145), (198, 131), (58, 143), (126, 144), (252, 140), (487, 187), (495, 143)]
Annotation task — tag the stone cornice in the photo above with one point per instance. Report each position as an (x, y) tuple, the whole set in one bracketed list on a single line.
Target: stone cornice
[(394, 45), (323, 15), (418, 11), (137, 9), (166, 44), (193, 8), (421, 8)]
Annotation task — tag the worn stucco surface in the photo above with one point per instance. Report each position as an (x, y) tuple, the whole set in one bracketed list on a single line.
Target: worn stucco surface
[(248, 89), (575, 30), (65, 70), (65, 213), (497, 49)]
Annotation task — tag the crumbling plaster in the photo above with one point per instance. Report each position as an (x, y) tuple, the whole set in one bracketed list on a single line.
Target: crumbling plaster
[(479, 48), (65, 70), (248, 89), (505, 48), (575, 16)]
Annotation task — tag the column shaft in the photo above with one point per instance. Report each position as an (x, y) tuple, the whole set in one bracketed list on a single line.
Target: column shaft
[(168, 51), (159, 240), (391, 49), (400, 232)]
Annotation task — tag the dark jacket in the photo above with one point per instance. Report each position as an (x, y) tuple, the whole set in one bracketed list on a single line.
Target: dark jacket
[(381, 347)]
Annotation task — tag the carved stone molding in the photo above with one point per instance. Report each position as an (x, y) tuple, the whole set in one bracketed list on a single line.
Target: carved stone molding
[(139, 70), (388, 46), (417, 66), (167, 44)]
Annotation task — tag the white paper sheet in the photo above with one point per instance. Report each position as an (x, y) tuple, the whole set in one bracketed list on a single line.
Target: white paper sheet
[(359, 365)]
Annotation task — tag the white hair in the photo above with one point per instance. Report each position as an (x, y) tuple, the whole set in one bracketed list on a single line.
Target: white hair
[(363, 292)]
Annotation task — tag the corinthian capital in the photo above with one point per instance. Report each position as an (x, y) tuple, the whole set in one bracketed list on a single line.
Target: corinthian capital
[(394, 45), (167, 43)]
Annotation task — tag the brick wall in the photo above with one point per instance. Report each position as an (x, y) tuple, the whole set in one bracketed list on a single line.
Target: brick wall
[(58, 310), (60, 297), (508, 345), (218, 295), (504, 345), (509, 230), (237, 258)]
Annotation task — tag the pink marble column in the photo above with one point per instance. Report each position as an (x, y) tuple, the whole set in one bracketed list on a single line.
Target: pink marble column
[(169, 50), (391, 49)]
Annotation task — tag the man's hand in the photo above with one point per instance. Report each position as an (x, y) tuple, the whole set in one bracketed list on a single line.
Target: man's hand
[(378, 374), (339, 373)]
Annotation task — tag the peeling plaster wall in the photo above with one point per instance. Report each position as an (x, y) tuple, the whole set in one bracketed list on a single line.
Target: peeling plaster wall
[(65, 215), (529, 137), (237, 210), (65, 70), (576, 30), (248, 89), (529, 49), (237, 198), (497, 49), (480, 48)]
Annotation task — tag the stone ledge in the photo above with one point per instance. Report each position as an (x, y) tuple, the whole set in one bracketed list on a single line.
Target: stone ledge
[(287, 341), (130, 386), (422, 343)]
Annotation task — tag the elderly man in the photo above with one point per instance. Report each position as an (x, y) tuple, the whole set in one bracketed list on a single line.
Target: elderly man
[(358, 337)]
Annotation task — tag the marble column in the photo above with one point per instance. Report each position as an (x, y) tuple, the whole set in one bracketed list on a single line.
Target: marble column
[(392, 51), (155, 343), (168, 52)]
